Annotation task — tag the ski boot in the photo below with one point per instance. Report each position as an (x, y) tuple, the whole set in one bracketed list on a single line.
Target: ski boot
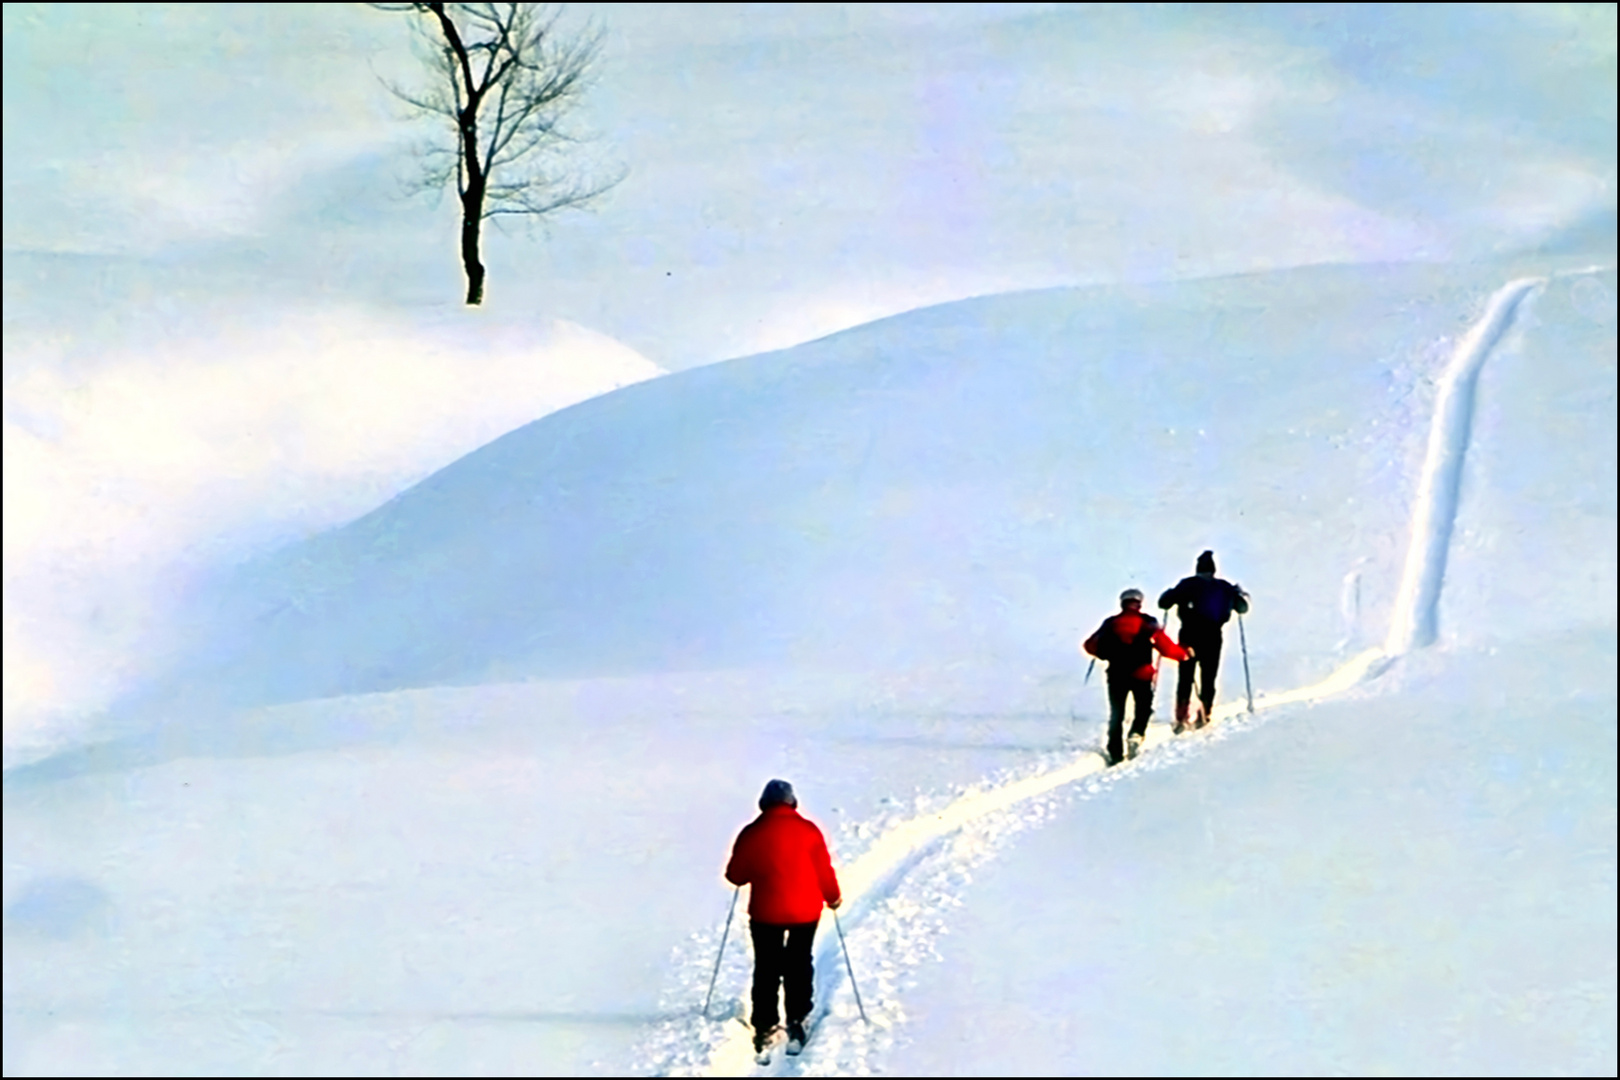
[(1133, 746), (796, 1037), (763, 1038)]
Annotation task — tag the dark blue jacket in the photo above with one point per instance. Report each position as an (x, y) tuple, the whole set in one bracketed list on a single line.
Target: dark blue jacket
[(1205, 603)]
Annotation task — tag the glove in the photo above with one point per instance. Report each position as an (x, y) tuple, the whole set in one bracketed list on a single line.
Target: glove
[(836, 903)]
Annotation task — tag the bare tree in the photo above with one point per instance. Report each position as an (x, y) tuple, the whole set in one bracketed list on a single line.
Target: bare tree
[(504, 76)]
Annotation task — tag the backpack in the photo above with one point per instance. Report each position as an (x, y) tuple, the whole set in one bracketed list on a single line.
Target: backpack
[(1206, 601)]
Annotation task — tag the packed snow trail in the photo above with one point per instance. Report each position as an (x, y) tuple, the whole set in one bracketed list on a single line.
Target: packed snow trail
[(875, 875), (1416, 621), (723, 1046)]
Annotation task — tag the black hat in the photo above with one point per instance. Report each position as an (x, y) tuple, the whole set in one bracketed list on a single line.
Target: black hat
[(1206, 563), (778, 793)]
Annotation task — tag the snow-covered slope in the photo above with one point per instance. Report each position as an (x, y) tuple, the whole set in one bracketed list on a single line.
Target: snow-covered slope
[(1479, 730), (964, 484), (491, 879), (142, 458), (1419, 882)]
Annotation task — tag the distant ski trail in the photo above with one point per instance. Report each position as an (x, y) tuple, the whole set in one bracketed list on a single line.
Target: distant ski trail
[(877, 885), (1416, 621)]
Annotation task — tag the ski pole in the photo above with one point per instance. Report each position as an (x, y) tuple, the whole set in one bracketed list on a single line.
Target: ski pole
[(1243, 639), (849, 967), (1164, 621), (722, 952), (1089, 666)]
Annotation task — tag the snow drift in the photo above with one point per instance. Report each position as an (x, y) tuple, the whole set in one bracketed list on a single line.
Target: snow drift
[(946, 487), (135, 470), (457, 879)]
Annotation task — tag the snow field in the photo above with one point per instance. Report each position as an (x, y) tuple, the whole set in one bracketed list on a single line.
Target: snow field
[(487, 879), (898, 892), (450, 881), (938, 489), (877, 876), (135, 473), (1417, 879)]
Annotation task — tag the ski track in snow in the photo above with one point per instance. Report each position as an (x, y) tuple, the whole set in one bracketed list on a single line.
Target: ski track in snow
[(907, 872), (898, 893), (1416, 621)]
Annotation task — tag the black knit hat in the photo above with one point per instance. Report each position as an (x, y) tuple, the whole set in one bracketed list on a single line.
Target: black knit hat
[(1206, 563), (778, 793)]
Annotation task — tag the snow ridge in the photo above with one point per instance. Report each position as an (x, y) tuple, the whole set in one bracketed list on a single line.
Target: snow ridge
[(899, 889)]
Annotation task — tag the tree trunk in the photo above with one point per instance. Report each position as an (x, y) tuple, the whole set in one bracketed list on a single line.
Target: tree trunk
[(472, 217)]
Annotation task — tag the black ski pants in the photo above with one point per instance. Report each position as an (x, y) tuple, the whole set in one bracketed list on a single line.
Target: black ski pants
[(1119, 690), (1205, 664), (782, 958)]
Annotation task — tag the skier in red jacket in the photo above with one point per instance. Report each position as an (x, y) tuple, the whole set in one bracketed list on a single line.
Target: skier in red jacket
[(1126, 642), (784, 857)]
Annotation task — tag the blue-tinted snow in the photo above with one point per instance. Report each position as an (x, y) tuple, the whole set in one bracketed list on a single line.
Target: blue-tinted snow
[(969, 484), (1416, 884), (492, 878)]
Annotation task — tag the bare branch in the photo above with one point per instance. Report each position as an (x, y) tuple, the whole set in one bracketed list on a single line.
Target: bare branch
[(503, 79)]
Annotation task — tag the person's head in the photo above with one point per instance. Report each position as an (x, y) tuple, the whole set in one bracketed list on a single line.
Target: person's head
[(1206, 563), (1130, 600), (778, 793)]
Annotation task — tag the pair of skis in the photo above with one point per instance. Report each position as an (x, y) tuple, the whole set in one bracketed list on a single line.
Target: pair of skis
[(794, 1048), (1133, 744), (1195, 722)]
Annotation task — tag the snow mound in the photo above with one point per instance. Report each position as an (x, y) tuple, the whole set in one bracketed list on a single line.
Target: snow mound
[(130, 476), (949, 486), (456, 879)]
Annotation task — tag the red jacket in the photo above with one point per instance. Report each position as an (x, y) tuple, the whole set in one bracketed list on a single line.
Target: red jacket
[(1119, 640), (784, 857)]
